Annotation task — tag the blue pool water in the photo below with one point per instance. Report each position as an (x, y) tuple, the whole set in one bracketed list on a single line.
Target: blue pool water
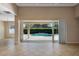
[(41, 34)]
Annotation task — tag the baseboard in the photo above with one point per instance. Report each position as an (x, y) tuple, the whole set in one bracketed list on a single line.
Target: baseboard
[(72, 42)]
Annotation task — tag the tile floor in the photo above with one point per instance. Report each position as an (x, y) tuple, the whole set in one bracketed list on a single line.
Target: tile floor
[(8, 48)]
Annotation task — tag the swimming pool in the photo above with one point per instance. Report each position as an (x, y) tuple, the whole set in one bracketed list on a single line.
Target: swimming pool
[(41, 34)]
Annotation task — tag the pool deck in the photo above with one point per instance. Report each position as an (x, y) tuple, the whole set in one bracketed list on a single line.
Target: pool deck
[(25, 37)]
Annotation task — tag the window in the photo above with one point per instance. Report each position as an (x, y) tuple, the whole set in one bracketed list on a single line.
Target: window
[(11, 28)]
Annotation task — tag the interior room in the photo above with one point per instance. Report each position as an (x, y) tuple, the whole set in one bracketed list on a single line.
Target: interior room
[(39, 29)]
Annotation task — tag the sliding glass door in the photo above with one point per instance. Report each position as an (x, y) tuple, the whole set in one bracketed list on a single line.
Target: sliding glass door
[(36, 31), (32, 31), (41, 31), (24, 31)]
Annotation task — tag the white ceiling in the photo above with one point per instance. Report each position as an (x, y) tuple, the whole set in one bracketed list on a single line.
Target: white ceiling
[(46, 4)]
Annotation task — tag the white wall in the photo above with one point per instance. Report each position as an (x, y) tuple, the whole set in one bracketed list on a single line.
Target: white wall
[(7, 17), (1, 30), (8, 7)]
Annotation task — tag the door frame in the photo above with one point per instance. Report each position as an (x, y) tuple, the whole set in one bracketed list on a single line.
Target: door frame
[(62, 28), (31, 21)]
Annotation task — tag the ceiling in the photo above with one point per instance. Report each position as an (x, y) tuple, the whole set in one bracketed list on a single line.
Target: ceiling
[(46, 4)]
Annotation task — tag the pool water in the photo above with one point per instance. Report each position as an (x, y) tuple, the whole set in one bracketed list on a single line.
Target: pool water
[(41, 34)]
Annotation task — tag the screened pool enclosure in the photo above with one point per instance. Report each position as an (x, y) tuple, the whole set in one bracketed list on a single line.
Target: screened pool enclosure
[(39, 31)]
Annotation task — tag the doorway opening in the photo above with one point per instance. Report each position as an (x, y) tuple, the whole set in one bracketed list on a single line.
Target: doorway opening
[(39, 31), (11, 29)]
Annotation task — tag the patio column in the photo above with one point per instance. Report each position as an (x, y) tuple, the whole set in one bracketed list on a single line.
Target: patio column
[(28, 30), (52, 32)]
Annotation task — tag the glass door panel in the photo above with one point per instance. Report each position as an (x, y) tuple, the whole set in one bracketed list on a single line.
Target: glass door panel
[(25, 31), (41, 31), (37, 31)]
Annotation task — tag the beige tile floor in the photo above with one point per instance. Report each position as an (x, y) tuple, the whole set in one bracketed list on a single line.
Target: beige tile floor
[(8, 48)]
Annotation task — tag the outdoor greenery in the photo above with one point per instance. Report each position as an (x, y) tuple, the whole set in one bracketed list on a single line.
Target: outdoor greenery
[(37, 28), (33, 31)]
